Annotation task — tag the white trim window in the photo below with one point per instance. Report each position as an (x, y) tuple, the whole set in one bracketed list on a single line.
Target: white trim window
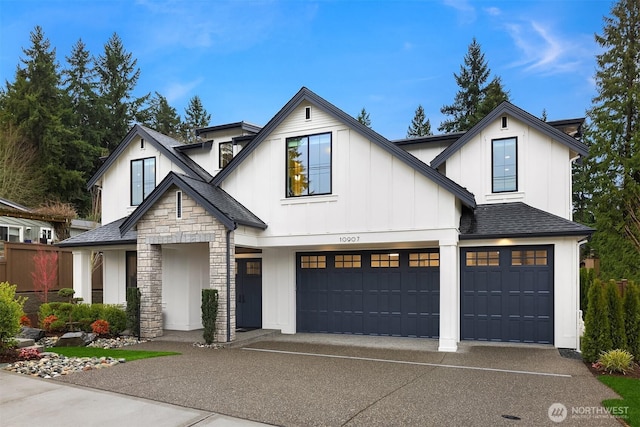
[(10, 233)]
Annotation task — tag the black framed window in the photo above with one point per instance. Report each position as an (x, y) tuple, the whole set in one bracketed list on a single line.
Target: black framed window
[(143, 179), (309, 165), (505, 165), (225, 153)]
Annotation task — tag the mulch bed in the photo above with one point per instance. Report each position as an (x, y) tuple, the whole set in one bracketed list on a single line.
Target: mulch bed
[(634, 372)]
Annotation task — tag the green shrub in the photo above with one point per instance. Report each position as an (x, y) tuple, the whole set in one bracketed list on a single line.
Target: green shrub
[(96, 311), (616, 316), (66, 293), (10, 313), (44, 311), (631, 306), (596, 337), (209, 314), (81, 311), (586, 279), (116, 317), (616, 361), (133, 311), (59, 325)]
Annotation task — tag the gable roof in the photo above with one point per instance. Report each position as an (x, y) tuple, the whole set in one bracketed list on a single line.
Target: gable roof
[(165, 144), (307, 95), (510, 220), (8, 204), (216, 201), (518, 113), (107, 235)]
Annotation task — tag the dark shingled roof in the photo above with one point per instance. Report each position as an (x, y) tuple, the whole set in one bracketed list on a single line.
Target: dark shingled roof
[(510, 220), (215, 201), (102, 236)]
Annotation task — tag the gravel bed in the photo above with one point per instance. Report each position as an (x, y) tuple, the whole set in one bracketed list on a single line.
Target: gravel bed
[(52, 365)]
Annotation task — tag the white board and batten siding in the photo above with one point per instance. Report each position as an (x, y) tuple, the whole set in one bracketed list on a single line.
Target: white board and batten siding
[(116, 181), (373, 192), (543, 167)]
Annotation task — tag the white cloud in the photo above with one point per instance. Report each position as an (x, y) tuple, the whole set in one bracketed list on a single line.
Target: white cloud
[(178, 91), (493, 11), (466, 12), (543, 50)]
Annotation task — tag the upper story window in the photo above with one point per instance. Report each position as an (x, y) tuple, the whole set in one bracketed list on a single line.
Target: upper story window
[(225, 153), (309, 165), (505, 165), (143, 179)]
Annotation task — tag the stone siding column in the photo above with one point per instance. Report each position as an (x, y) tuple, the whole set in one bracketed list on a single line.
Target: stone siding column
[(150, 284), (218, 280)]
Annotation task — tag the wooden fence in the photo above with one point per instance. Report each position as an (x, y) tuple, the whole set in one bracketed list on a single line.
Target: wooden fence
[(17, 265)]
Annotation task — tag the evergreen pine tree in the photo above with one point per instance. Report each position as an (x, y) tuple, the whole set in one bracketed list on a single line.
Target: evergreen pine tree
[(616, 316), (118, 76), (609, 187), (631, 308), (163, 117), (363, 118), (469, 105), (596, 338), (195, 117), (420, 125)]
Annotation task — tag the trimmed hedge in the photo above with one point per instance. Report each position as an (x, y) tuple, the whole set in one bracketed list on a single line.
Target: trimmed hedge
[(209, 314), (81, 316)]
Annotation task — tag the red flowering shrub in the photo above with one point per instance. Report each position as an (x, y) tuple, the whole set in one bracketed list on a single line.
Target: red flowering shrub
[(100, 327), (46, 323), (29, 354), (25, 321)]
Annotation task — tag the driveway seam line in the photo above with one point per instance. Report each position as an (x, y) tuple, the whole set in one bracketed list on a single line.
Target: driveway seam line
[(437, 365)]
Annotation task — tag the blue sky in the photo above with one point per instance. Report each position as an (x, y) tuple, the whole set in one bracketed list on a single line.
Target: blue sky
[(246, 59)]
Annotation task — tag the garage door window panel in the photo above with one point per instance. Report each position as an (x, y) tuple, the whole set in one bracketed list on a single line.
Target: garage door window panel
[(385, 260), (482, 258)]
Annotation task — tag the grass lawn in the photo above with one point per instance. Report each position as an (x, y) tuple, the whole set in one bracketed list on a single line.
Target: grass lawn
[(629, 389), (128, 355)]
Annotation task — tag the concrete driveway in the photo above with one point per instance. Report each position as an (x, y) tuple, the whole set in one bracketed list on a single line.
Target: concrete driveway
[(293, 381)]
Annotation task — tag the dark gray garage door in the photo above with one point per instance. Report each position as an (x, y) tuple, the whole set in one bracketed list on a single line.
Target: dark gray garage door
[(507, 294), (392, 293)]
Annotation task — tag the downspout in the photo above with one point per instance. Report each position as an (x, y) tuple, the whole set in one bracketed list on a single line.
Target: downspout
[(228, 286), (580, 322)]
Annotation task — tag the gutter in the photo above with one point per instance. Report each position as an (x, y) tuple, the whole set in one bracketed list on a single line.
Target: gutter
[(228, 286)]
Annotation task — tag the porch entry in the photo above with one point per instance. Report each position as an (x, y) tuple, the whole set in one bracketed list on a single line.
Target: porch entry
[(248, 293)]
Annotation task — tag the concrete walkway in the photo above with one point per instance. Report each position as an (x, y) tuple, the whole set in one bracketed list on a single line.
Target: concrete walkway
[(27, 401), (327, 380)]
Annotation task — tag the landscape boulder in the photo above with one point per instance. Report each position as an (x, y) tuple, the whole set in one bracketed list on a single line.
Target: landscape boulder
[(31, 333), (75, 339)]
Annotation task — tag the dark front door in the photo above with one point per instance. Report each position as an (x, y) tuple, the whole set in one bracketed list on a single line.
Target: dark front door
[(507, 294), (249, 293)]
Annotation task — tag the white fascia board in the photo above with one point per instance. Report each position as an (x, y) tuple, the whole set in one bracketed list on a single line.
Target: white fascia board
[(360, 240)]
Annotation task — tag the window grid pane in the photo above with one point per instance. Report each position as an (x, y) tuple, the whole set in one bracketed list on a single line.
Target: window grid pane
[(313, 261), (347, 261), (385, 260), (529, 257), (253, 268), (482, 258), (424, 259)]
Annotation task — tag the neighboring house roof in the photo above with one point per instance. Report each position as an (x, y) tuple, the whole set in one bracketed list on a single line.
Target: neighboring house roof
[(165, 144), (307, 95), (107, 235), (216, 201), (249, 127), (511, 220), (8, 204), (519, 114)]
